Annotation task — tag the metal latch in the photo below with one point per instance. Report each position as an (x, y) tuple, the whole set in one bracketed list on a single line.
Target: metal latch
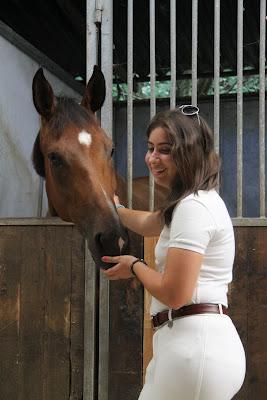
[(98, 11)]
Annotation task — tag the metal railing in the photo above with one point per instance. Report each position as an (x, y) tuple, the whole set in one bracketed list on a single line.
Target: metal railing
[(103, 11)]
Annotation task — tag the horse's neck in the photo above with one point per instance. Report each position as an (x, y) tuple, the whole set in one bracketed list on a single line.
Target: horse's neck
[(140, 193)]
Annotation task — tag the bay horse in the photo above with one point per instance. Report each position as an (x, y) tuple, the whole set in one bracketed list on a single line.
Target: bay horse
[(74, 156)]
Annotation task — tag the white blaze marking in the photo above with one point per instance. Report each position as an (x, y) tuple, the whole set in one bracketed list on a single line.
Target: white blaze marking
[(85, 138), (121, 243), (110, 204)]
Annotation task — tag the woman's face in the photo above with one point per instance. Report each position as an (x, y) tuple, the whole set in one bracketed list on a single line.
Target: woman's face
[(158, 158)]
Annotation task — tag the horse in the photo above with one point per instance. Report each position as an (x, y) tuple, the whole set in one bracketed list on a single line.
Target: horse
[(140, 186), (74, 156)]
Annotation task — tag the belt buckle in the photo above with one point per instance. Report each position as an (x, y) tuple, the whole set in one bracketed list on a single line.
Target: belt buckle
[(170, 320)]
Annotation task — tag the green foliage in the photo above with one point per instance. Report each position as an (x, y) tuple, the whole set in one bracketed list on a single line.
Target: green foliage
[(228, 85)]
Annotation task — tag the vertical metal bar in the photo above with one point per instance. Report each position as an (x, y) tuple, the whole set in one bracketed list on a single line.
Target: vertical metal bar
[(107, 124), (130, 104), (91, 38), (173, 52), (262, 106), (152, 85), (90, 271), (194, 51), (89, 326), (217, 75), (240, 109)]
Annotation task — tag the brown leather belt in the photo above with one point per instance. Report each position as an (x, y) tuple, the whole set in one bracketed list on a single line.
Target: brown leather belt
[(167, 316)]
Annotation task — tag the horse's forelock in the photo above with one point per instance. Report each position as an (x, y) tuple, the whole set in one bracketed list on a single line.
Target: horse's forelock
[(68, 111)]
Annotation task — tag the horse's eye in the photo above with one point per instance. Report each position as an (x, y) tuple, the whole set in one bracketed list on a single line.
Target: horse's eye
[(112, 152), (55, 159)]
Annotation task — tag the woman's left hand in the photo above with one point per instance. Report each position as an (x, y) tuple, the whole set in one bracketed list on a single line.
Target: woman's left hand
[(122, 269)]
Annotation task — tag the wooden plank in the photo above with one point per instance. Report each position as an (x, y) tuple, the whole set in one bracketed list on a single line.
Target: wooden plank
[(257, 313), (10, 379), (126, 334), (238, 295), (57, 221), (149, 248), (56, 349), (31, 324)]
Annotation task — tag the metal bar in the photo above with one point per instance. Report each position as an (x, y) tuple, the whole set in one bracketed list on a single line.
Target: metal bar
[(217, 75), (89, 325), (173, 53), (130, 105), (262, 106), (107, 124), (152, 85), (194, 51), (90, 302), (240, 108), (249, 221), (91, 39)]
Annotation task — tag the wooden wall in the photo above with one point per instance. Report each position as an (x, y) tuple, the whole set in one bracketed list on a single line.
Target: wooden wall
[(41, 312), (247, 307), (42, 316)]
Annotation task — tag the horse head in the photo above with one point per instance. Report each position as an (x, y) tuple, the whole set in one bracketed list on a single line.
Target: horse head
[(74, 155)]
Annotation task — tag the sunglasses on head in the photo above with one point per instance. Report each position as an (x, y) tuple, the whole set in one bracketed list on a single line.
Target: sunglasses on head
[(189, 110)]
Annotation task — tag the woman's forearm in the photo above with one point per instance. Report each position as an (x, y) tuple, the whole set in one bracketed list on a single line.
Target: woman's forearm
[(153, 282), (144, 223)]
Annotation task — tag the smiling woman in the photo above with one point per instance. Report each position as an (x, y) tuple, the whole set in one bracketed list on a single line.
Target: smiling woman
[(194, 260), (159, 159)]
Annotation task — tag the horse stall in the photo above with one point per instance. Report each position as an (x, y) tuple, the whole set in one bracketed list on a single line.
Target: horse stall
[(65, 332), (59, 322)]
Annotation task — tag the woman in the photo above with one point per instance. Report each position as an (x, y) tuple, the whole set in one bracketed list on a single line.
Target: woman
[(197, 353)]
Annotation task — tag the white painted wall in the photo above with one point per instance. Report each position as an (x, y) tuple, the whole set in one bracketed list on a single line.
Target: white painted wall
[(19, 124)]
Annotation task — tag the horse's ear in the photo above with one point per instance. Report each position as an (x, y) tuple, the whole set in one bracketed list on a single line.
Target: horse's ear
[(95, 91), (38, 158), (43, 96)]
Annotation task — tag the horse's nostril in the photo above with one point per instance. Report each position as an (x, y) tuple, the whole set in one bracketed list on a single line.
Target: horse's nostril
[(111, 242), (98, 239)]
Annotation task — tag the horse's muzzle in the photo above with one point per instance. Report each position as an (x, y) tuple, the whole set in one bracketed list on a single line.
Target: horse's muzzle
[(110, 243)]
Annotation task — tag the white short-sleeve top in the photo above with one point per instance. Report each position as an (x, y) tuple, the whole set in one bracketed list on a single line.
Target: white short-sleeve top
[(201, 223)]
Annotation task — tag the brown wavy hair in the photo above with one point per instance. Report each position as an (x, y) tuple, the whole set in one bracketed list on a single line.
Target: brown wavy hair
[(192, 150)]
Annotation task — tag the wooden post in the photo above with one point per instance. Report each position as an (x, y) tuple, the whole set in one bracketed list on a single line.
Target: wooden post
[(149, 246)]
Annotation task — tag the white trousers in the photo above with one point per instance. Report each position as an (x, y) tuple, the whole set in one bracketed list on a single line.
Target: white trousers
[(200, 358)]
